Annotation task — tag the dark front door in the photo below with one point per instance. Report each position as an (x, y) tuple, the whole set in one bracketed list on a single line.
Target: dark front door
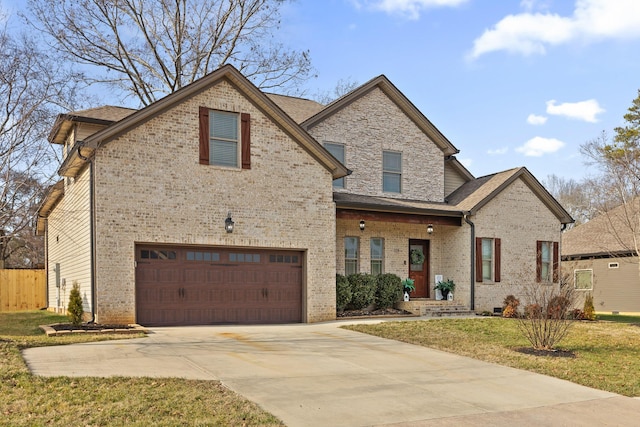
[(419, 272)]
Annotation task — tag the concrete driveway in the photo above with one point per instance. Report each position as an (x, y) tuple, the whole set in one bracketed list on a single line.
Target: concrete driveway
[(320, 375)]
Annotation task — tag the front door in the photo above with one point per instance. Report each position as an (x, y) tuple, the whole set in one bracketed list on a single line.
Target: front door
[(419, 271)]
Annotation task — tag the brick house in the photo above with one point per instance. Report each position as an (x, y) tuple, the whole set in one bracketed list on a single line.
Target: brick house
[(222, 204)]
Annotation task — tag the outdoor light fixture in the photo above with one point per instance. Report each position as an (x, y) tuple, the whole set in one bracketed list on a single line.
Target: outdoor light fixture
[(430, 228), (228, 223), (362, 225)]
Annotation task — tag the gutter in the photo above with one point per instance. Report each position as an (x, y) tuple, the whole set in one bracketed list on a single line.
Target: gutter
[(472, 262)]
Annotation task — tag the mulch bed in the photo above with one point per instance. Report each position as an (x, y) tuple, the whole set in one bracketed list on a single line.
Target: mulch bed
[(90, 328), (87, 327), (547, 353), (378, 312)]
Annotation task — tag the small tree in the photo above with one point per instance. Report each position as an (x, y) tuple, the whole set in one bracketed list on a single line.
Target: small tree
[(589, 311), (546, 319), (343, 292), (388, 290), (75, 310)]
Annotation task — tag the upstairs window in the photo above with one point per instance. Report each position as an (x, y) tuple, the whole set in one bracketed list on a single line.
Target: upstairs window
[(225, 138), (391, 172), (337, 151)]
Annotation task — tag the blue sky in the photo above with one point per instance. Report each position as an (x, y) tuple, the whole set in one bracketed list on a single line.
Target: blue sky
[(509, 83)]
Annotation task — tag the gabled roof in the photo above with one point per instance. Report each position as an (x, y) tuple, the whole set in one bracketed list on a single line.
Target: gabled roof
[(54, 194), (607, 234), (473, 195), (299, 109), (84, 149), (398, 98), (459, 167), (104, 115)]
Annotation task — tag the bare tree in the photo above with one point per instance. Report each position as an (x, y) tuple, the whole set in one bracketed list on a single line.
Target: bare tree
[(30, 91), (618, 159), (342, 87), (576, 197), (152, 48)]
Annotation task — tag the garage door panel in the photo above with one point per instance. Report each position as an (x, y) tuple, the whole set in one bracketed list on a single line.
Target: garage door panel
[(177, 286)]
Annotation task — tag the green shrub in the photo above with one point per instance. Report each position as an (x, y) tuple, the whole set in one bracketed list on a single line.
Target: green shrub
[(389, 290), (343, 292), (363, 290), (75, 310), (589, 311)]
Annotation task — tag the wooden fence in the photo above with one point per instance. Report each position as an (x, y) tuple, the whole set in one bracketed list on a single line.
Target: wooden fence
[(22, 290)]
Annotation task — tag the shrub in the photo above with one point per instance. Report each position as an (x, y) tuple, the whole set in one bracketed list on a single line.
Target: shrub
[(588, 308), (75, 310), (343, 292), (510, 306), (558, 306), (389, 289), (547, 317), (363, 290), (576, 314)]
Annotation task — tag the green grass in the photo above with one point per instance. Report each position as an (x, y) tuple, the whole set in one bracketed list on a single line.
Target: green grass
[(27, 400), (607, 354), (620, 318)]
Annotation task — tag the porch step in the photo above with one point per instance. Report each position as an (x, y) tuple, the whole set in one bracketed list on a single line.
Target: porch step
[(433, 308)]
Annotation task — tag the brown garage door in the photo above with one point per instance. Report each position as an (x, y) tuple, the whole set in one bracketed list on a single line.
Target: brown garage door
[(200, 286)]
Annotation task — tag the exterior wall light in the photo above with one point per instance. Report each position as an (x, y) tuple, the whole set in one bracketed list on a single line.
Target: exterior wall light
[(430, 229), (228, 223), (362, 225)]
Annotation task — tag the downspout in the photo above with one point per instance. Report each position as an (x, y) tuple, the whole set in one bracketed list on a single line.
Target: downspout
[(564, 227), (472, 263), (92, 239)]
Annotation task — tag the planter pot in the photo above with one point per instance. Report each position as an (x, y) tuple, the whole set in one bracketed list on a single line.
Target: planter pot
[(406, 296), (445, 294)]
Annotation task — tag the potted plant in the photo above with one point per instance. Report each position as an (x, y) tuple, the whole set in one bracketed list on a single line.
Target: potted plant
[(407, 287), (446, 287)]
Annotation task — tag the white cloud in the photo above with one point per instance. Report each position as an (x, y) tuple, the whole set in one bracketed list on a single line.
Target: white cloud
[(536, 120), (498, 151), (408, 8), (531, 33), (538, 146), (583, 110)]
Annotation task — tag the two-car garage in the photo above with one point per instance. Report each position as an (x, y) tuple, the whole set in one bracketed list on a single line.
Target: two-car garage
[(217, 285)]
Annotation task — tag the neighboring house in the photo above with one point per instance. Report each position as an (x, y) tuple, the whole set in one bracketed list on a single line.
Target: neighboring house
[(599, 257), (139, 219)]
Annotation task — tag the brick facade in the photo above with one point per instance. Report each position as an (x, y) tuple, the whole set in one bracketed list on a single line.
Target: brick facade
[(150, 188)]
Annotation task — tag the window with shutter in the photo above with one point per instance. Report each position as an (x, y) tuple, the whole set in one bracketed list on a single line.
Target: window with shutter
[(488, 259), (225, 138)]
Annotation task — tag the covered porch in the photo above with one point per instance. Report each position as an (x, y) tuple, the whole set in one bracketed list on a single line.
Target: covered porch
[(424, 241)]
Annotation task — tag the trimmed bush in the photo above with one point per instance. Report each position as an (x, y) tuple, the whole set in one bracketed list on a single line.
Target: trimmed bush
[(389, 290), (510, 306), (75, 310), (363, 290), (343, 292), (558, 307)]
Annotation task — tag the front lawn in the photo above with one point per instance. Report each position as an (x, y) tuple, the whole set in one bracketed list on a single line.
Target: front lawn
[(27, 400), (607, 355)]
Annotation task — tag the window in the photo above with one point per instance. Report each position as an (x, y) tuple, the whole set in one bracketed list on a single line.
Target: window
[(488, 259), (337, 151), (391, 172), (203, 256), (156, 254), (614, 265), (222, 141), (583, 280), (547, 264), (233, 257), (377, 255), (351, 255)]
